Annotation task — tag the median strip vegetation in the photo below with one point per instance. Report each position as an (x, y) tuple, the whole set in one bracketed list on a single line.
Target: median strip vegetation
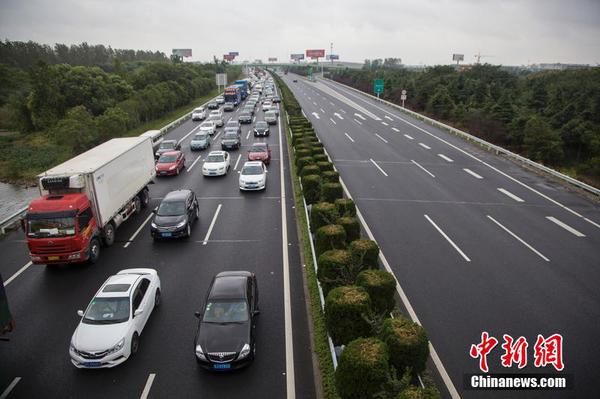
[(381, 356)]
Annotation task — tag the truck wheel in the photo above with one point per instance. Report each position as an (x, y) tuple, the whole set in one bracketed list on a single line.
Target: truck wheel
[(109, 234), (144, 197), (137, 202), (94, 250)]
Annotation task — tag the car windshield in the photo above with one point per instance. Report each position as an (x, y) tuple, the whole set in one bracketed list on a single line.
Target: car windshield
[(246, 114), (199, 136), (167, 158), (215, 158), (235, 311), (261, 125), (107, 311), (270, 114), (199, 110), (252, 170), (258, 148), (51, 227), (206, 124), (230, 136), (214, 118), (167, 145), (233, 124), (171, 208)]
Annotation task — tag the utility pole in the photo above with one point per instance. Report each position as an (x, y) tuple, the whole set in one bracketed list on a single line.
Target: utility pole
[(331, 52)]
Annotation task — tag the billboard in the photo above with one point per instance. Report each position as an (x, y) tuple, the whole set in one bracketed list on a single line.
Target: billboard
[(458, 57), (297, 57), (228, 57), (234, 53), (221, 79), (272, 59), (333, 57), (315, 53), (182, 52)]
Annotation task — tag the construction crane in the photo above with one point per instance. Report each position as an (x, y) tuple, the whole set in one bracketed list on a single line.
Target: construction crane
[(479, 56)]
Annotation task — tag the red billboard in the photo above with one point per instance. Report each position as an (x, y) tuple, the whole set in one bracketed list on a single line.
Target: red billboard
[(315, 53), (272, 59), (228, 57)]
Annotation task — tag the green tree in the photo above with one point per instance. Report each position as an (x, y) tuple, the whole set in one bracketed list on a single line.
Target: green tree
[(541, 142), (441, 105), (77, 131)]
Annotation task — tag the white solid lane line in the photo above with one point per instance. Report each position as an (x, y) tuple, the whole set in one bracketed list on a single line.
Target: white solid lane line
[(409, 137), (445, 158), (14, 276), (237, 162), (187, 135), (425, 146), (216, 136), (316, 115), (332, 121), (338, 115), (350, 138), (212, 224), (592, 222), (138, 230), (422, 168), (475, 175), (509, 194), (565, 226), (290, 376), (148, 385), (396, 130), (360, 116), (465, 257), (384, 123), (378, 167), (248, 135), (518, 239), (194, 163), (357, 122), (387, 117), (382, 139), (10, 387)]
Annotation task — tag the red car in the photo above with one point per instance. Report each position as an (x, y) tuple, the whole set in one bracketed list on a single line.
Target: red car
[(170, 163), (260, 152)]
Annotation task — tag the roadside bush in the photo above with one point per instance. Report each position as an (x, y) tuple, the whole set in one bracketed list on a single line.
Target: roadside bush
[(331, 268), (310, 170), (301, 153), (328, 237), (363, 370), (345, 206), (413, 392), (322, 214), (347, 310), (351, 225), (296, 137), (407, 342), (316, 150), (318, 144), (332, 191), (330, 176), (367, 251), (302, 146), (302, 162), (381, 287), (321, 158), (311, 188), (324, 165)]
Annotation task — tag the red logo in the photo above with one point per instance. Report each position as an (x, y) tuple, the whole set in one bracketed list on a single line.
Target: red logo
[(482, 349)]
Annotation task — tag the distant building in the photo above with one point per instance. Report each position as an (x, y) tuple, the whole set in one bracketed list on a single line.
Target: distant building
[(557, 66)]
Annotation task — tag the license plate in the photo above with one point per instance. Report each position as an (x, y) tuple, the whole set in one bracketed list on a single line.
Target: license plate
[(92, 364), (167, 234), (222, 366), (53, 257), (163, 172), (212, 173)]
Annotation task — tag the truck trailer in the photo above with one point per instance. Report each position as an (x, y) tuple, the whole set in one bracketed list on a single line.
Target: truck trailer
[(85, 199)]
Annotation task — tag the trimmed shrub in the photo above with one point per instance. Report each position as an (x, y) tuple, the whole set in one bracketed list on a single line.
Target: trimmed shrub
[(332, 236), (363, 370), (381, 287), (413, 392), (302, 162), (322, 214), (367, 251), (310, 170), (296, 137), (346, 312), (316, 150), (351, 225), (324, 165), (330, 176), (345, 206), (332, 191), (311, 188), (303, 152), (318, 144), (407, 342), (331, 265), (302, 146), (321, 158)]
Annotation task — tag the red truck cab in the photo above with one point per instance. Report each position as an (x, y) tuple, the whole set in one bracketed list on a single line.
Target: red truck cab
[(61, 228)]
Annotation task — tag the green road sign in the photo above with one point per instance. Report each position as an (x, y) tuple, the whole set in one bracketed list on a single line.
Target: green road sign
[(378, 86)]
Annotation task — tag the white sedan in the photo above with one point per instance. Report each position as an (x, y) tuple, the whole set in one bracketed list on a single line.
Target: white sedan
[(216, 164), (110, 328), (253, 176), (209, 127)]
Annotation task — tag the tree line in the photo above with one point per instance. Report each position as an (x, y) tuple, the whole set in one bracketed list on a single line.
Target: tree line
[(552, 117), (55, 111)]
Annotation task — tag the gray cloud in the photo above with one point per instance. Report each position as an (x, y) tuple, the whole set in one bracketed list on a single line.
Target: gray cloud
[(418, 31)]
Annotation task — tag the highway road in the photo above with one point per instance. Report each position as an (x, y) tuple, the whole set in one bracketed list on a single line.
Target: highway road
[(476, 242), (253, 231)]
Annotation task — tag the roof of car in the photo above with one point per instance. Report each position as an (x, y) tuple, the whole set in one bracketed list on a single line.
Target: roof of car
[(169, 141), (253, 163), (118, 279), (260, 145), (177, 152), (177, 195), (217, 153), (229, 286)]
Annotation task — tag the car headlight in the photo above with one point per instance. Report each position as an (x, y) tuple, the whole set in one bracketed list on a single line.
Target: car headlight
[(72, 348), (117, 347), (222, 168), (153, 225), (172, 167), (199, 353), (244, 352), (181, 224)]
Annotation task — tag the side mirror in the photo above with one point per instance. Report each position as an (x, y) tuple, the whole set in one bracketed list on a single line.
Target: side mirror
[(154, 210), (80, 313), (22, 221), (138, 312), (256, 313), (198, 314)]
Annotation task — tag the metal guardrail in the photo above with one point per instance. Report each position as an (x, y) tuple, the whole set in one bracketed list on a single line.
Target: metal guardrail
[(165, 129), (487, 145), (10, 221)]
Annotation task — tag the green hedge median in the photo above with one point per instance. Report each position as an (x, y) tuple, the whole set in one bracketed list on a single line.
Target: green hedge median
[(367, 251), (347, 310), (381, 287), (328, 237), (407, 342)]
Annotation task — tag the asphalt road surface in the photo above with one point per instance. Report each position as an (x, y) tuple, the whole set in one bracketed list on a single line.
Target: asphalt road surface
[(248, 234), (476, 242)]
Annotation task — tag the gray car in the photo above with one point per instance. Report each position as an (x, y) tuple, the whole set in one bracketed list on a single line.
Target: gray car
[(231, 140), (200, 141)]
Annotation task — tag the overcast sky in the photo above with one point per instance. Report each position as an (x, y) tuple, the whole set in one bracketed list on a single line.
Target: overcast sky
[(510, 32)]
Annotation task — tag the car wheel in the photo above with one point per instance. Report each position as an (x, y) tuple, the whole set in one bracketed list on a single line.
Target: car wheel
[(135, 344), (144, 198), (197, 213), (157, 299), (137, 202), (177, 173), (188, 231), (94, 250), (109, 234)]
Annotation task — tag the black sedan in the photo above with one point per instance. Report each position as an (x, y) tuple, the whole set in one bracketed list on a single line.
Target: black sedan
[(261, 129), (245, 117), (276, 99), (175, 215), (213, 105), (225, 336)]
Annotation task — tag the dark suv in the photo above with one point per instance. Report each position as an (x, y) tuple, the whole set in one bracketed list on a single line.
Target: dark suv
[(175, 215), (225, 335)]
